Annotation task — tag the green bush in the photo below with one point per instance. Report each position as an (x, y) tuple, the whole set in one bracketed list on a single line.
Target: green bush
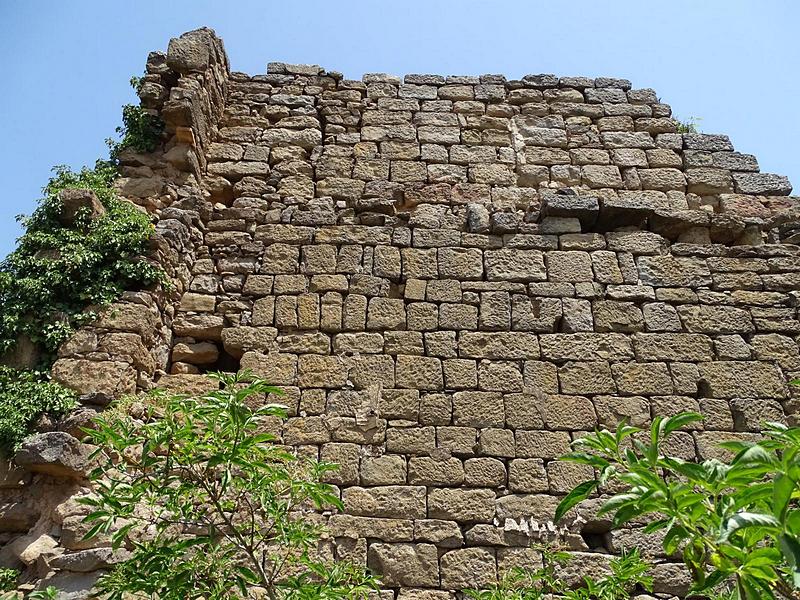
[(8, 579), (141, 131), (57, 271), (227, 508), (25, 396), (736, 523)]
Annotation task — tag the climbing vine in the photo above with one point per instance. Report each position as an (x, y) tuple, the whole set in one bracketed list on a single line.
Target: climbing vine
[(57, 270), (140, 130)]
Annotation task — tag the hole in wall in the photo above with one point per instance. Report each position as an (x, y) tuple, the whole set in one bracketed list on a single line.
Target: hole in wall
[(226, 363), (597, 536), (192, 357)]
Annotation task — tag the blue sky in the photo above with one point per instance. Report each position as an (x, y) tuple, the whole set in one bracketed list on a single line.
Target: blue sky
[(66, 65)]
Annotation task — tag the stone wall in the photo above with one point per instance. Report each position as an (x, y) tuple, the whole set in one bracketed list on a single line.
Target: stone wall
[(452, 278)]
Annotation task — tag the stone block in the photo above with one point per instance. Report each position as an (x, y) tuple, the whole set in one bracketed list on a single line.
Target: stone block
[(484, 472), (413, 565), (388, 469), (617, 316), (430, 471), (514, 265), (461, 505), (321, 371), (419, 372), (411, 440), (498, 345), (391, 501), (571, 413), (496, 442), (468, 568), (745, 379), (673, 347), (652, 378), (593, 377), (386, 313)]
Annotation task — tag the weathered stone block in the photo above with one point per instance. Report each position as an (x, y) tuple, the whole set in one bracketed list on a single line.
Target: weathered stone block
[(414, 565), (462, 505), (392, 501), (746, 379)]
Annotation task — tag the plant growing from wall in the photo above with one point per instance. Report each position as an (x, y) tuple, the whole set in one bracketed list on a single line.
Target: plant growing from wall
[(58, 270), (228, 511), (736, 523), (690, 125), (24, 396), (8, 580), (63, 270), (140, 131), (627, 572)]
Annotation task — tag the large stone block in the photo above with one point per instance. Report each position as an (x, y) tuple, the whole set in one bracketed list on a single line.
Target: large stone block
[(419, 372), (468, 568), (391, 501), (562, 347), (745, 379), (499, 345), (87, 376), (511, 264), (413, 565), (478, 409), (673, 346), (462, 505), (593, 377)]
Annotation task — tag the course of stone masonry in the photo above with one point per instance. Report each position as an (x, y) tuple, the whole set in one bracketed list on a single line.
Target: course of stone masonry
[(452, 278)]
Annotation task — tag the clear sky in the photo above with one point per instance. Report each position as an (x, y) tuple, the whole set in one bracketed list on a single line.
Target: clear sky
[(66, 65)]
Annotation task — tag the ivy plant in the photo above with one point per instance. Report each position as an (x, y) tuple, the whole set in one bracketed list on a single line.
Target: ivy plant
[(211, 505), (57, 270), (735, 523)]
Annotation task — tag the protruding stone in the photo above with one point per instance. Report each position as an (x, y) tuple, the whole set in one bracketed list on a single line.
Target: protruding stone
[(55, 453)]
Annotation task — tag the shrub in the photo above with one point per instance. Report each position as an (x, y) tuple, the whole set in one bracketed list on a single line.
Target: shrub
[(8, 579), (227, 510), (57, 270), (25, 396), (736, 523)]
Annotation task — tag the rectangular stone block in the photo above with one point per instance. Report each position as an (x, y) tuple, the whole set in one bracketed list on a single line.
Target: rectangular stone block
[(742, 379), (391, 501), (673, 347), (411, 565), (585, 346), (419, 372), (411, 440), (462, 505), (321, 371), (515, 265), (498, 345)]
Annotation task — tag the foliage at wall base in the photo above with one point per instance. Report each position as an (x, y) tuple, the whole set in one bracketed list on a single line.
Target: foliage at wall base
[(24, 397)]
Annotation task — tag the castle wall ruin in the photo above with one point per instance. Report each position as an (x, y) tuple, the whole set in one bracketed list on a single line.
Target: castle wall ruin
[(452, 278)]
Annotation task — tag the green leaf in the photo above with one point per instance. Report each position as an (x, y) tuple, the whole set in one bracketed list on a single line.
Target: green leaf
[(576, 496), (783, 488), (790, 548), (676, 534), (747, 519), (671, 424)]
